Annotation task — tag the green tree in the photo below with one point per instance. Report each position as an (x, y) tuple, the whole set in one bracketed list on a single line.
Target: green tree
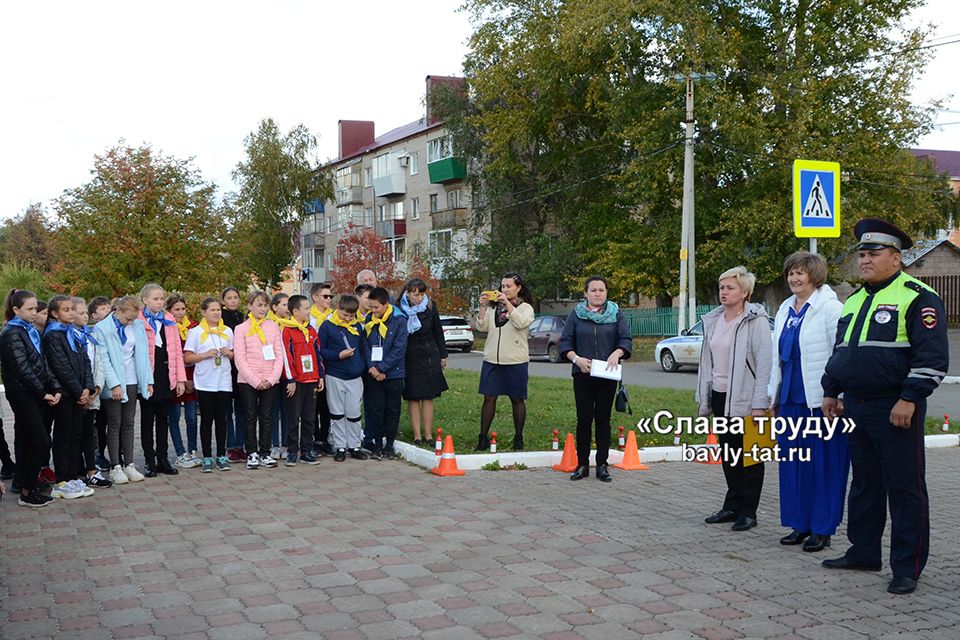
[(277, 182), (142, 217), (28, 239)]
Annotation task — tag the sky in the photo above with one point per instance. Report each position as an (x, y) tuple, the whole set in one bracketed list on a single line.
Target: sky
[(192, 79)]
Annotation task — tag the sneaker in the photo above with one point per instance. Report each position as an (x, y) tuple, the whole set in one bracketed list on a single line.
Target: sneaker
[(48, 475), (34, 500), (66, 491), (268, 461), (196, 456), (276, 453), (132, 474), (103, 464), (340, 455), (309, 458), (253, 461), (223, 463), (97, 480), (359, 454), (236, 455), (82, 487), (207, 465), (389, 453), (326, 449), (186, 461), (292, 460), (117, 476)]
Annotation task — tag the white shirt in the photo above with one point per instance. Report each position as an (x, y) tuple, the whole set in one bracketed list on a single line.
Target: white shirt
[(207, 376), (129, 365)]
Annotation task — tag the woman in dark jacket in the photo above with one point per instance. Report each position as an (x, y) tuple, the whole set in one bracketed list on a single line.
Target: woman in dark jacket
[(426, 358), (30, 389), (68, 362), (595, 330)]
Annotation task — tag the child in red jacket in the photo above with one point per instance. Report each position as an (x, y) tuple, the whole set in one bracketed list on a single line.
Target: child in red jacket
[(303, 368)]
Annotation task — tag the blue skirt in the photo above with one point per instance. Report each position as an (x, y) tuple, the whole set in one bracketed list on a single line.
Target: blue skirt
[(504, 380), (812, 493)]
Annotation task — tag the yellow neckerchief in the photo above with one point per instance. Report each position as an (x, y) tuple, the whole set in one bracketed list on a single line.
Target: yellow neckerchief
[(293, 324), (320, 316), (256, 328), (184, 327), (360, 317), (334, 318), (382, 322), (273, 317), (219, 330)]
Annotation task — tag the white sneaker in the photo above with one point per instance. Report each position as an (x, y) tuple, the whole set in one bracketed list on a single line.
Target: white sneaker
[(132, 474), (66, 491), (196, 456), (268, 461), (186, 461), (81, 486), (276, 453), (253, 461), (117, 476)]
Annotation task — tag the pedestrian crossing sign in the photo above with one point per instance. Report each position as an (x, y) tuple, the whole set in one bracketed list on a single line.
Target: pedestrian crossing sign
[(816, 199)]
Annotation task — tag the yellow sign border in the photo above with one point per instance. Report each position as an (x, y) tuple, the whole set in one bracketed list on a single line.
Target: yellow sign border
[(815, 232)]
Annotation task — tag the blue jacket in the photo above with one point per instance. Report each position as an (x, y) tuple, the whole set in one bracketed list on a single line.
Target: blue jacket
[(595, 341), (105, 333), (394, 362), (332, 343)]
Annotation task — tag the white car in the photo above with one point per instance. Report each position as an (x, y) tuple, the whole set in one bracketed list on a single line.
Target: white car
[(684, 349), (457, 333)]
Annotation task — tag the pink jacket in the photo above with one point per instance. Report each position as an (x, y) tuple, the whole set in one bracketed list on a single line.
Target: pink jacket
[(171, 336), (248, 354)]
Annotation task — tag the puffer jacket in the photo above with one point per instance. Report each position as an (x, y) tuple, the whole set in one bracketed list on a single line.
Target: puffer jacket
[(818, 332), (248, 354), (750, 363), (23, 368), (71, 368)]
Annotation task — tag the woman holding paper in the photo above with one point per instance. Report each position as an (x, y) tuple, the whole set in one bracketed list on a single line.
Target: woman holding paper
[(732, 382), (595, 339)]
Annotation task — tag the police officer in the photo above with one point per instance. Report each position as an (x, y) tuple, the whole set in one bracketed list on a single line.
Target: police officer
[(890, 354)]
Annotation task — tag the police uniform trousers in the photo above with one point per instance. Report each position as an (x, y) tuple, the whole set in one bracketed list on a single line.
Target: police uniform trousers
[(888, 464)]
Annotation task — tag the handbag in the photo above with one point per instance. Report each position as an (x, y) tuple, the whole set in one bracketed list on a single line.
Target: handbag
[(622, 402)]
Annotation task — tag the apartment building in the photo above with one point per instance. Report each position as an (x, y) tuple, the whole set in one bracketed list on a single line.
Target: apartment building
[(407, 184)]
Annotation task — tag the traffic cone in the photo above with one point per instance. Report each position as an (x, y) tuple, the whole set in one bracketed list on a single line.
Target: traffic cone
[(448, 461), (621, 443), (568, 462), (438, 446), (556, 443), (946, 423), (712, 442), (631, 456), (493, 443)]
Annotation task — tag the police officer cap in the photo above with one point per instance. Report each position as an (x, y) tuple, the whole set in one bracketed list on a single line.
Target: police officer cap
[(874, 233)]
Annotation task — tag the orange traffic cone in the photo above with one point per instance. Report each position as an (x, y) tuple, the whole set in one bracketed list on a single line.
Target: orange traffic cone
[(448, 461), (631, 456), (568, 462), (712, 442)]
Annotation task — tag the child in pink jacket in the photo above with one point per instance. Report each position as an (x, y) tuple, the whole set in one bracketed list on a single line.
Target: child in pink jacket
[(256, 346), (169, 378)]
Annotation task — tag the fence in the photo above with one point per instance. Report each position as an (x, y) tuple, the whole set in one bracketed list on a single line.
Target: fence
[(949, 289), (654, 322)]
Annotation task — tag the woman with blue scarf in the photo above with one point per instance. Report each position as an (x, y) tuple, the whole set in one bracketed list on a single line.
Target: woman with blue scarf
[(426, 359), (595, 330)]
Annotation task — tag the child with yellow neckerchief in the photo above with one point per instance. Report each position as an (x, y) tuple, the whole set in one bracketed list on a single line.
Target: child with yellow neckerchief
[(342, 340), (385, 355), (304, 373)]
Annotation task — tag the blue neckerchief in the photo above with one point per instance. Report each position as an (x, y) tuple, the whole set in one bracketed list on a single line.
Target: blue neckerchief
[(157, 320), (120, 330), (85, 336), (792, 325), (413, 322), (17, 321), (72, 338)]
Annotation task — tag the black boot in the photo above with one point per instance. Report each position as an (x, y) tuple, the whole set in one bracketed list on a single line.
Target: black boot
[(794, 537), (483, 443), (518, 442), (816, 542), (164, 467)]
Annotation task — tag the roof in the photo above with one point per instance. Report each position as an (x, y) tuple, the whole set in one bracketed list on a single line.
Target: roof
[(390, 137), (943, 161), (922, 248)]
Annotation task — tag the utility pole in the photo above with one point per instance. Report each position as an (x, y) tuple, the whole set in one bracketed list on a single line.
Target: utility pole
[(688, 243)]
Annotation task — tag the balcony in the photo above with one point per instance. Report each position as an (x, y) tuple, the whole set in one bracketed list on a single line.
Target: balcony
[(391, 184), (312, 240), (349, 195), (450, 219), (447, 170), (391, 228)]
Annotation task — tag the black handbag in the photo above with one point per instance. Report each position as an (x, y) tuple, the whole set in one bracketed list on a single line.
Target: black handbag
[(622, 402)]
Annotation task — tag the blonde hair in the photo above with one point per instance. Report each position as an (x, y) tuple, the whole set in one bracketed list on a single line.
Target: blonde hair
[(147, 288), (128, 302), (744, 278)]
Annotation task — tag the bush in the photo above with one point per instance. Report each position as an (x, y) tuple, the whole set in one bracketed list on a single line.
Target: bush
[(21, 276)]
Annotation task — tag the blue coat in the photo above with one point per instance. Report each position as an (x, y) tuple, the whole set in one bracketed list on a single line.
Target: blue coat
[(105, 333), (394, 362), (332, 343)]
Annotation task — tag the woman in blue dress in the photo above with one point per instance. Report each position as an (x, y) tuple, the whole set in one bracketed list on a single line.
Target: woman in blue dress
[(813, 470)]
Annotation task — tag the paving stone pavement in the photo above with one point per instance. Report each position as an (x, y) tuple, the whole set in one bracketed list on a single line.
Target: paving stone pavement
[(386, 550)]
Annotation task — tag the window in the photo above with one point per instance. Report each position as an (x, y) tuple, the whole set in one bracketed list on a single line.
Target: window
[(381, 212), (397, 248), (434, 206), (439, 148), (348, 177), (453, 199), (440, 243), (415, 163), (330, 262), (329, 224), (415, 208), (398, 210), (381, 165), (318, 259), (535, 325), (416, 250), (368, 217), (368, 177)]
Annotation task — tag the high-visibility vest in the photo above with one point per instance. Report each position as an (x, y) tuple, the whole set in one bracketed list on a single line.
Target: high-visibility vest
[(862, 311)]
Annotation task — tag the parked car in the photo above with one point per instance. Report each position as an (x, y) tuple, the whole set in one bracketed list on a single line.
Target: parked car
[(684, 349), (457, 333), (545, 338)]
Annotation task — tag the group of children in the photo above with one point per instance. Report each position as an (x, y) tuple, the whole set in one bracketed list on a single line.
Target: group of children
[(294, 373)]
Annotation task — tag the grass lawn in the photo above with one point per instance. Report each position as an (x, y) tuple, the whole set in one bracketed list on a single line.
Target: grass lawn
[(550, 406)]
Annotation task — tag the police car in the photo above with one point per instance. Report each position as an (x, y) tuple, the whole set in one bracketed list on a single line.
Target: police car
[(672, 353)]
